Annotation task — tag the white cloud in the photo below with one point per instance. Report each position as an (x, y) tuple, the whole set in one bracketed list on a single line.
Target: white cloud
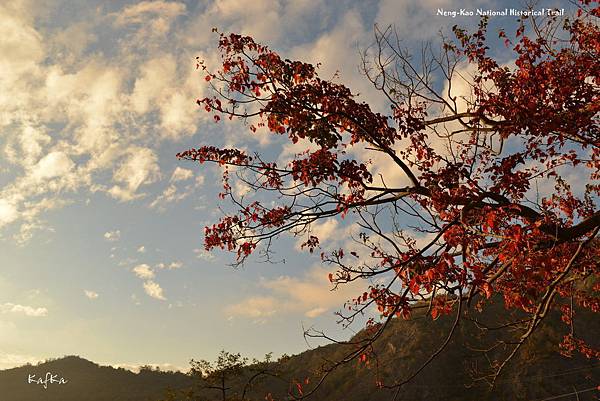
[(156, 79), (32, 142), (8, 307), (8, 212), (254, 307), (332, 233), (36, 110), (69, 43), (141, 249), (112, 236), (90, 294), (52, 165), (181, 174), (178, 114), (140, 167), (141, 12), (203, 254), (167, 87), (170, 195), (272, 21), (311, 295), (170, 266), (343, 42), (312, 290), (262, 19), (241, 189), (20, 42), (154, 290), (315, 312), (325, 229), (143, 271)]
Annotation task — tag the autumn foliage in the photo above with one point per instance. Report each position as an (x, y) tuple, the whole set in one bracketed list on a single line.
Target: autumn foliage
[(470, 169)]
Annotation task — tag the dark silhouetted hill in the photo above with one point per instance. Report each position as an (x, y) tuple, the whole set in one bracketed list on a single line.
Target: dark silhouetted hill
[(87, 381), (538, 372)]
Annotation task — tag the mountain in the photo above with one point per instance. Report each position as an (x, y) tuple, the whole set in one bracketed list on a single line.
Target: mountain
[(86, 381), (537, 372)]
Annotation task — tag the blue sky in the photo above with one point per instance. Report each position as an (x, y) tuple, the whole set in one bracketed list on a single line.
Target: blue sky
[(101, 227)]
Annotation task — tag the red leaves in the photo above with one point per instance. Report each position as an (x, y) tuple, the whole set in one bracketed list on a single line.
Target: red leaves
[(221, 235), (305, 106), (311, 243), (354, 174), (245, 249), (441, 305), (228, 232), (319, 166), (490, 222), (414, 285), (487, 289), (571, 344), (477, 227), (388, 303), (214, 154)]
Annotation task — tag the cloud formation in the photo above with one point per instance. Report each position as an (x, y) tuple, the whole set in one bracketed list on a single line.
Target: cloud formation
[(75, 120), (81, 118), (25, 310), (310, 294), (143, 271), (112, 236), (181, 174), (170, 266), (253, 307), (138, 169), (154, 290)]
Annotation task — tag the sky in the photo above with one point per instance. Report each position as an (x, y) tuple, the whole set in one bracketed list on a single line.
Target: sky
[(101, 226)]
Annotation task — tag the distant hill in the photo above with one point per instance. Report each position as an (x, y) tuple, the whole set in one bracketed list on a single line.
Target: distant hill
[(87, 381), (537, 373)]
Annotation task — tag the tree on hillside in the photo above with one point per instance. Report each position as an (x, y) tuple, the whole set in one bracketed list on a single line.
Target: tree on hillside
[(231, 377), (464, 216)]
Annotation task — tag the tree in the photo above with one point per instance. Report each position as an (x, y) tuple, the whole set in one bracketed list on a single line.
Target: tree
[(469, 167), (231, 376)]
